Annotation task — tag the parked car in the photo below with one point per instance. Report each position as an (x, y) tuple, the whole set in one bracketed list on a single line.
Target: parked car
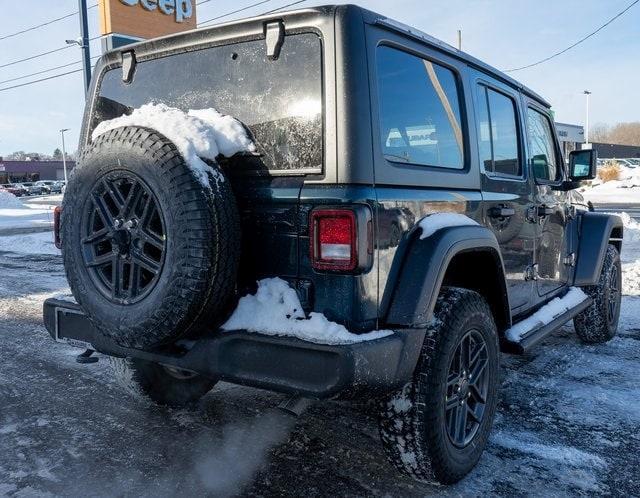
[(376, 196), (53, 187), (33, 189), (15, 189)]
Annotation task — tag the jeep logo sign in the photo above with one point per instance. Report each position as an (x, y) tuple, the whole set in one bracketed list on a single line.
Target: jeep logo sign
[(143, 19), (181, 9)]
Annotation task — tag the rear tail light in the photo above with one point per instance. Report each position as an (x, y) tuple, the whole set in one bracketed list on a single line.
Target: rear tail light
[(334, 240), (57, 213)]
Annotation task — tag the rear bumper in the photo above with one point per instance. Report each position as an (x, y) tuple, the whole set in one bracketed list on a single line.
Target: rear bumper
[(281, 364)]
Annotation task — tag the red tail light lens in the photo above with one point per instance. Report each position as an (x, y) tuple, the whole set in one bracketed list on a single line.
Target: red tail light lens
[(57, 212), (333, 239)]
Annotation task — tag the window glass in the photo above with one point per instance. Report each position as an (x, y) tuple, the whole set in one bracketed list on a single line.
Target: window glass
[(498, 133), (484, 133), (542, 150), (419, 111), (280, 101)]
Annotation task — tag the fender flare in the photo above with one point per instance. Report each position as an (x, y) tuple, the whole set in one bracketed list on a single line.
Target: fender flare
[(411, 296), (596, 231)]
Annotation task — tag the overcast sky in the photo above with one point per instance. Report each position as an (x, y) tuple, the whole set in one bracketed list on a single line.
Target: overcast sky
[(504, 33)]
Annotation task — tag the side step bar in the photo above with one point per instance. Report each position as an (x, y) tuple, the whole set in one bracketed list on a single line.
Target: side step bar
[(536, 335)]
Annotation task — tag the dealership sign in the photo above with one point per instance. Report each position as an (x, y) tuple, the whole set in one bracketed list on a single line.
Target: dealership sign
[(142, 19)]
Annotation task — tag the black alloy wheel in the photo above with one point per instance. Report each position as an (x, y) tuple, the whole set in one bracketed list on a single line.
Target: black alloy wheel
[(123, 237), (467, 387)]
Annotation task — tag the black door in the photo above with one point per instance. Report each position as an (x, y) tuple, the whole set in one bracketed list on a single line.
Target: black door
[(551, 205), (507, 190)]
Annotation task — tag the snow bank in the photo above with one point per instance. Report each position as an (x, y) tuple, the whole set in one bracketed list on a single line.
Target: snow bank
[(9, 201), (547, 313), (627, 189), (33, 243), (202, 133), (434, 222), (276, 310)]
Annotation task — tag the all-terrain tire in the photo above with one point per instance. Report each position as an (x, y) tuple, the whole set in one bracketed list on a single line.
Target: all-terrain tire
[(193, 290), (599, 322), (160, 384), (413, 421)]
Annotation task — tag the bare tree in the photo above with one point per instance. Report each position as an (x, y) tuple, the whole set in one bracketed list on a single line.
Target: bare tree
[(621, 133)]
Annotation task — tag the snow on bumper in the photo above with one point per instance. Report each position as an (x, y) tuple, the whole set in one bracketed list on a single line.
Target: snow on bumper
[(281, 364)]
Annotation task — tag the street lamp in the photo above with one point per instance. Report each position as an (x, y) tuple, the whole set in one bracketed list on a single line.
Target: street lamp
[(64, 155), (586, 122)]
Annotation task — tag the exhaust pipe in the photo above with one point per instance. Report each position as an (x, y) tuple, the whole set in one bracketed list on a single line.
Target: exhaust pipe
[(295, 405)]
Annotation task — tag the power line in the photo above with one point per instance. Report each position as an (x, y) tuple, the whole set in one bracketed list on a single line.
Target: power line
[(26, 30), (576, 43), (36, 56), (234, 12), (41, 79), (46, 70), (288, 5)]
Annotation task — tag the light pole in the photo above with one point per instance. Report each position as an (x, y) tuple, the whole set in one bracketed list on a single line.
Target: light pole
[(64, 155), (586, 122)]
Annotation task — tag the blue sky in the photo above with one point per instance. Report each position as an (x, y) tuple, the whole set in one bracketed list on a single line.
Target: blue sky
[(503, 33)]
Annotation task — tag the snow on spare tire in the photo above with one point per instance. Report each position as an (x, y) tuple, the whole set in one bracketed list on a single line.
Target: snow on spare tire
[(150, 231)]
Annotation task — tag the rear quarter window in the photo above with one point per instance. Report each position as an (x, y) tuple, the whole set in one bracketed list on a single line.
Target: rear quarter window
[(420, 111)]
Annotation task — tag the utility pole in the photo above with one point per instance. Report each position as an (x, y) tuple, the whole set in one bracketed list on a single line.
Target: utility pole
[(586, 122), (459, 39), (64, 155), (84, 34)]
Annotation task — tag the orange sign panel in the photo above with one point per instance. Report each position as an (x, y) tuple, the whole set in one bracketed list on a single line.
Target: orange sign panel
[(146, 18)]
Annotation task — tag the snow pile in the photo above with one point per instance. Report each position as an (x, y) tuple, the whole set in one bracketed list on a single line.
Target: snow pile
[(33, 243), (9, 201), (547, 313), (432, 223), (627, 189), (276, 310), (202, 133)]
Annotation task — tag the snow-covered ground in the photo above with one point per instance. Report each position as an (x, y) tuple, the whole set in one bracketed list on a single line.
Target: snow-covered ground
[(25, 213), (625, 190), (567, 422)]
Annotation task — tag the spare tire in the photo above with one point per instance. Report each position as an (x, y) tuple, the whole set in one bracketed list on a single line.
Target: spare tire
[(150, 250)]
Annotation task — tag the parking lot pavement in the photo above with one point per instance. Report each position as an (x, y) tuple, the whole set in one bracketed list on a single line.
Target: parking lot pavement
[(567, 422), (632, 210)]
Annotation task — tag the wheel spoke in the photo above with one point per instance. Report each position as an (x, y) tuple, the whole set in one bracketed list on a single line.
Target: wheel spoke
[(100, 260), (134, 279), (478, 369), (475, 413), (461, 423), (114, 193), (151, 238), (453, 379), (146, 262), (96, 237), (103, 210), (451, 403), (478, 396), (117, 272), (132, 200)]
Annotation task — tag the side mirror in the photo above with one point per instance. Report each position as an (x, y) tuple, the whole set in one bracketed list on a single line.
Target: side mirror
[(582, 165)]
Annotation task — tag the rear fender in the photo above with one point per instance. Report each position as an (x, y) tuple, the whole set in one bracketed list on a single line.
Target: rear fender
[(414, 292)]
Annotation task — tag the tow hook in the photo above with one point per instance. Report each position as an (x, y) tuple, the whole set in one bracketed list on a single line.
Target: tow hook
[(295, 405)]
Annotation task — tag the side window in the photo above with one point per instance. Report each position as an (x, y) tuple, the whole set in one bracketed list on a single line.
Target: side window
[(542, 151), (419, 111), (498, 133)]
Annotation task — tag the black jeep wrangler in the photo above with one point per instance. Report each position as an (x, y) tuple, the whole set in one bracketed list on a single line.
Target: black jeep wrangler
[(397, 184)]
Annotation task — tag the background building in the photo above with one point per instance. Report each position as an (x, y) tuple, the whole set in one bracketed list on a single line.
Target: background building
[(32, 171), (570, 137), (615, 151)]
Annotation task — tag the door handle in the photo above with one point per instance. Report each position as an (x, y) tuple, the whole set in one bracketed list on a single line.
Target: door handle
[(544, 210), (501, 212)]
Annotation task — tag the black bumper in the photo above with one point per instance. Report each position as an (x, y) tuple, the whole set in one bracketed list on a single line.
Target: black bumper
[(281, 364)]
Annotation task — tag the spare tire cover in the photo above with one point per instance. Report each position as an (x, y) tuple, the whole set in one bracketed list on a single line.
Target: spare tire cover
[(150, 250)]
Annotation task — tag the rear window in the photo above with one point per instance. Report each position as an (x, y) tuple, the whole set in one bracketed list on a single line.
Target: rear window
[(279, 101)]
